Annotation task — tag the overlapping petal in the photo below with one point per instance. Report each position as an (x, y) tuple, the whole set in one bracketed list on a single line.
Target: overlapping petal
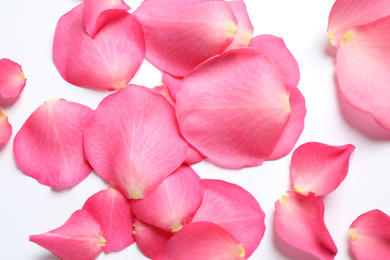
[(80, 238), (299, 220), (5, 128), (370, 236), (12, 79), (244, 28), (172, 82), (107, 61), (49, 146), (133, 140)]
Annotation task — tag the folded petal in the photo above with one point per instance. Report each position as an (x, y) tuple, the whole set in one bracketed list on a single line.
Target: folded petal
[(133, 140), (206, 241), (180, 35), (112, 211), (49, 147), (363, 69), (98, 12), (12, 79), (235, 209), (370, 235), (80, 238), (5, 128), (164, 90), (233, 108), (173, 83), (299, 220), (107, 61), (244, 28), (319, 168)]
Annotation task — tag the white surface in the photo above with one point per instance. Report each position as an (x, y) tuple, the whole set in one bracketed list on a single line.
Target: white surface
[(27, 207)]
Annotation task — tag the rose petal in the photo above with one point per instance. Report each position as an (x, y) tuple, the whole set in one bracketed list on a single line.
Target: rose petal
[(133, 140), (5, 128), (112, 211), (172, 82), (206, 241), (12, 79), (236, 210), (164, 90), (107, 61), (79, 238), (244, 29), (299, 220), (49, 145), (370, 236), (319, 168)]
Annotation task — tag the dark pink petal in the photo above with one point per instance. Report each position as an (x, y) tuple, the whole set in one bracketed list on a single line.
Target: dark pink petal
[(80, 238), (180, 35), (107, 61), (112, 211), (133, 140), (299, 220), (5, 128), (203, 241), (346, 14), (49, 145), (174, 203), (363, 69), (98, 12), (319, 168), (173, 83), (370, 236), (233, 108), (12, 79), (236, 210)]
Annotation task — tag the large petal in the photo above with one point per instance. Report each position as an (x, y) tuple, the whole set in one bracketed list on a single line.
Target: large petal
[(203, 241), (299, 220), (5, 128), (107, 61), (370, 235), (79, 238), (112, 211), (319, 168), (49, 145), (133, 140), (236, 210), (12, 79), (363, 69), (180, 35), (244, 29), (233, 108)]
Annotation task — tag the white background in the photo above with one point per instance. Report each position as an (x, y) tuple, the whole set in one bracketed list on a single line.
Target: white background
[(27, 207)]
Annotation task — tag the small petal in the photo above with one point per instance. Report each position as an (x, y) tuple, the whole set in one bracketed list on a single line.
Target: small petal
[(164, 90), (79, 238), (5, 128), (172, 82), (12, 79)]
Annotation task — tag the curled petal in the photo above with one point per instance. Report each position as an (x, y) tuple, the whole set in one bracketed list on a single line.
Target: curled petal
[(5, 128), (49, 147), (12, 79)]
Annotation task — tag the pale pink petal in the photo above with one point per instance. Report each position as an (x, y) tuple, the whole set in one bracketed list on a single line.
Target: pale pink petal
[(233, 108), (319, 168), (346, 14), (49, 145), (133, 140), (98, 12), (150, 240), (203, 241), (107, 61), (236, 210), (173, 83), (80, 238), (363, 69), (299, 220), (12, 79), (180, 35), (112, 211), (174, 203), (5, 128), (370, 236), (164, 90)]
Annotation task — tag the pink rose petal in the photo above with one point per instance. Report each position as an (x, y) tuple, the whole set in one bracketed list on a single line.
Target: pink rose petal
[(79, 238), (370, 236), (5, 128), (112, 211), (172, 82), (319, 168), (299, 220), (98, 12), (234, 209), (107, 61), (180, 35), (133, 140), (12, 79), (174, 203), (203, 241), (164, 90), (49, 145)]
